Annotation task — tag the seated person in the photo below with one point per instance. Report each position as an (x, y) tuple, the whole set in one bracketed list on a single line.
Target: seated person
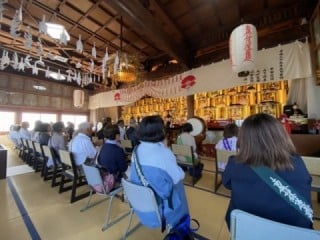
[(185, 138), (159, 168), (265, 145), (131, 133), (57, 141), (14, 135), (111, 156), (44, 133), (229, 141), (81, 145)]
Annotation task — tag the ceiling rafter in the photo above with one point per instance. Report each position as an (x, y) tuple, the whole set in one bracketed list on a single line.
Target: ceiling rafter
[(135, 10)]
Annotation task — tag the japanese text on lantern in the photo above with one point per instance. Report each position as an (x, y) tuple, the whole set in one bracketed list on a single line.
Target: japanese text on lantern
[(248, 43)]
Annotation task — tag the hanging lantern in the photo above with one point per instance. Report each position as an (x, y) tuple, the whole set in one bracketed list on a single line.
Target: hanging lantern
[(243, 46), (78, 98)]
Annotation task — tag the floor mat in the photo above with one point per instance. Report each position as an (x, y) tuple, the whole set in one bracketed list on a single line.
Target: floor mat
[(16, 170)]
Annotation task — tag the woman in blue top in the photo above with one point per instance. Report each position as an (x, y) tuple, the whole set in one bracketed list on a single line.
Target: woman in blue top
[(160, 169), (264, 142), (111, 156)]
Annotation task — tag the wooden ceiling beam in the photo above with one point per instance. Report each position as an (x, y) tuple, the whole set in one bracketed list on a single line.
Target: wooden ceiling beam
[(144, 21)]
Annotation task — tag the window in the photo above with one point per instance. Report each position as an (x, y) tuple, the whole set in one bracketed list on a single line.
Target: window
[(31, 118), (7, 119), (75, 119)]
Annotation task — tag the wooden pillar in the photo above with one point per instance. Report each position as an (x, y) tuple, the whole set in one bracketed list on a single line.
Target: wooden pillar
[(190, 106), (119, 112)]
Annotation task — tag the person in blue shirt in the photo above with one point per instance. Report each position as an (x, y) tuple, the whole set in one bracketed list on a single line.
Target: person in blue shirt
[(160, 169), (112, 157), (263, 142)]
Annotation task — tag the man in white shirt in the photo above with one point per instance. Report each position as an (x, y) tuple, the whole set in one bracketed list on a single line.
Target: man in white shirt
[(81, 145)]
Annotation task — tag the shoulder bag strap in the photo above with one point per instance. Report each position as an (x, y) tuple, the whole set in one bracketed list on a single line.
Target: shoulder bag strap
[(285, 191), (145, 183)]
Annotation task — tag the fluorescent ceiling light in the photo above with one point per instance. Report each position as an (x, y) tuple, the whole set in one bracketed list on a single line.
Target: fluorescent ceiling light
[(56, 76), (39, 87), (55, 31)]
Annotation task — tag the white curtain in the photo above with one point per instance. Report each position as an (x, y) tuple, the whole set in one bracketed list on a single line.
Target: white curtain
[(298, 93)]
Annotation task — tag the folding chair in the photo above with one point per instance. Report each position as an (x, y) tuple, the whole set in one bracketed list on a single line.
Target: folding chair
[(24, 151), (141, 199), (51, 172), (39, 159), (185, 151), (71, 173), (222, 156), (246, 226), (94, 179)]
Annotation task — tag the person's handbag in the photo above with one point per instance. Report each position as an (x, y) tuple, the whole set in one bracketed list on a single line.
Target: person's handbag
[(183, 230), (109, 182)]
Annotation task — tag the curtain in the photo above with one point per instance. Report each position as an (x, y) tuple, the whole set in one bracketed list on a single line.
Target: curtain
[(298, 93)]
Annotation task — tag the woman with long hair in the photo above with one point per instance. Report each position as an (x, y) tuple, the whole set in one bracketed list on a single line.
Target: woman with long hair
[(264, 144)]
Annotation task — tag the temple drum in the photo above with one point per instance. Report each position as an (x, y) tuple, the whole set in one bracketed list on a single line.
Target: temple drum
[(198, 125), (199, 130)]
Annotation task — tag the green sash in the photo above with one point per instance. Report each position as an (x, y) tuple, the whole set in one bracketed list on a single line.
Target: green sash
[(285, 191)]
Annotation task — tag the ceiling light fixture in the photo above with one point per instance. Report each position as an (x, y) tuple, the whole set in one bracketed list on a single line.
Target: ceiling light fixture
[(39, 87), (125, 67), (56, 30)]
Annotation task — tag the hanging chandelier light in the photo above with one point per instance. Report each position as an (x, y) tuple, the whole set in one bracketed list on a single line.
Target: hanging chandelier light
[(124, 67)]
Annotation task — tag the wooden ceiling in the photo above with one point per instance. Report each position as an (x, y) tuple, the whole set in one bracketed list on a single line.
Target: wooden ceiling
[(159, 32)]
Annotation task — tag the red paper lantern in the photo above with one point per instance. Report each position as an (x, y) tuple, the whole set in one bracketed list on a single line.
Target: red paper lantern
[(243, 46)]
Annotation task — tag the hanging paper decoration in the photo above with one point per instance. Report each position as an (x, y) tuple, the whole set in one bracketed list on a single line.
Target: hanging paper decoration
[(69, 75), (78, 79), (94, 50), (35, 69), (21, 65), (28, 38), (78, 65), (116, 63), (5, 60), (104, 64), (91, 68), (15, 25), (59, 75), (243, 48), (79, 45), (40, 49), (15, 61), (47, 73), (43, 25), (27, 61), (40, 62), (20, 13), (63, 38), (78, 98)]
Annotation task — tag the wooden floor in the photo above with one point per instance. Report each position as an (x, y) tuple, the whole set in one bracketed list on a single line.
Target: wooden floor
[(43, 213)]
